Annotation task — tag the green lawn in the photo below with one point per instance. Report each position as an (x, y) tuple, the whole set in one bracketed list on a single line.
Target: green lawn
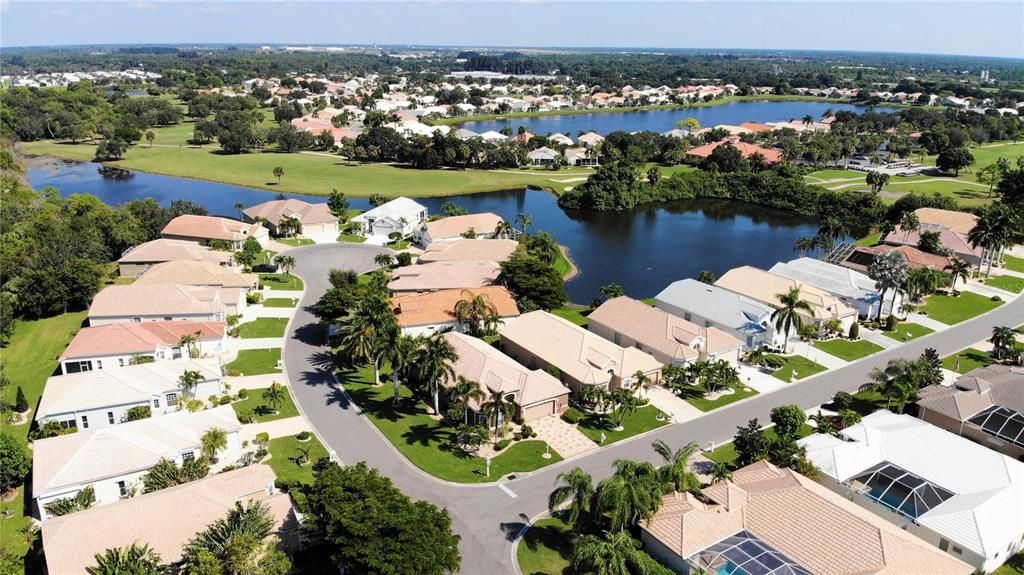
[(848, 350), (644, 419), (562, 265), (868, 401), (426, 442), (870, 240), (279, 302), (726, 452), (546, 548), (262, 410), (906, 331), (1006, 282), (970, 358), (694, 395), (1015, 264), (798, 363), (255, 362), (577, 315), (351, 238), (295, 242), (263, 327), (281, 282), (285, 455), (952, 310), (1013, 566)]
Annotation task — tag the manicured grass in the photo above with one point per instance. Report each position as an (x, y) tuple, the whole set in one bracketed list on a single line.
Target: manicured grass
[(262, 410), (295, 242), (426, 442), (256, 362), (1013, 566), (1013, 263), (694, 395), (870, 240), (399, 244), (848, 350), (285, 453), (279, 302), (281, 282), (546, 548), (263, 327), (726, 452), (952, 310), (644, 419), (906, 331), (868, 401), (351, 238), (970, 358), (577, 315), (798, 363), (1006, 282), (562, 265)]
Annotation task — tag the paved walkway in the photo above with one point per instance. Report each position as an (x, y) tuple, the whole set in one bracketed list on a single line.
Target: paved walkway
[(877, 338), (255, 381), (261, 311), (277, 428), (760, 381), (238, 343), (816, 355), (677, 408), (562, 437), (927, 322)]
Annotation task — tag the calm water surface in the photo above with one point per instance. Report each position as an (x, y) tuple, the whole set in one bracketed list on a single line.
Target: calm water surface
[(643, 250)]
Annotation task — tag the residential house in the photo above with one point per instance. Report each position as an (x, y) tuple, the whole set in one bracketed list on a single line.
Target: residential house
[(433, 276), (534, 392), (953, 228), (206, 229), (756, 127), (954, 494), (140, 258), (770, 155), (773, 521), (102, 398), (541, 340), (165, 520), (581, 157), (859, 258), (469, 250), (492, 136), (200, 274), (855, 289), (432, 312), (315, 221), (455, 227), (590, 140), (400, 215), (703, 304), (113, 460), (560, 139), (136, 303), (118, 344), (985, 405), (672, 340), (543, 156)]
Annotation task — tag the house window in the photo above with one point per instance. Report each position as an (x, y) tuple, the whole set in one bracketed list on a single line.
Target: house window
[(188, 456), (99, 364), (69, 424), (618, 339), (85, 422), (120, 362), (172, 399), (943, 545), (136, 320), (110, 417), (168, 318), (156, 403), (122, 489), (958, 550)]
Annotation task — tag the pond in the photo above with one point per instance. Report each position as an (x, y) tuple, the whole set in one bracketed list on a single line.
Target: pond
[(643, 250), (732, 113)]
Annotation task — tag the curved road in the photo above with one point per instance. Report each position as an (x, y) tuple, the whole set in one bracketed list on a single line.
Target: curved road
[(488, 517)]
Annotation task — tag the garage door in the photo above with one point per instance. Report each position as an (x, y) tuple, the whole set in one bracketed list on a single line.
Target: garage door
[(537, 411)]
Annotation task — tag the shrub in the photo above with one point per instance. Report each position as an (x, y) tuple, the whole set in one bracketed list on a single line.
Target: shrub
[(303, 436), (403, 259), (263, 438), (20, 402), (225, 399), (996, 298), (774, 362), (554, 372), (213, 400), (243, 393), (253, 297), (517, 420), (246, 416), (527, 431), (501, 444), (890, 323), (572, 416), (261, 453), (517, 436), (138, 412), (842, 400), (234, 372), (245, 443), (234, 332), (287, 485), (854, 330)]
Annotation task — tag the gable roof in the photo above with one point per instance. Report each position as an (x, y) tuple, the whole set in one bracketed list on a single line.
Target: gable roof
[(862, 256), (464, 249), (829, 277), (161, 299), (132, 338), (395, 209), (455, 226), (165, 250), (771, 155), (197, 274), (953, 240), (976, 390), (438, 307), (765, 287), (716, 304), (276, 210), (210, 228), (959, 222), (460, 274)]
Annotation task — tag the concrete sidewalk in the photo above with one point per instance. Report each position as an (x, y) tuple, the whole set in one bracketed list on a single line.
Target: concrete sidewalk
[(276, 428), (236, 343), (261, 311)]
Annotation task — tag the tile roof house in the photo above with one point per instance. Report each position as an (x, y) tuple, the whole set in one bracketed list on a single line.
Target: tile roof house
[(114, 345), (400, 215), (952, 227), (461, 274), (855, 289), (672, 340), (543, 156), (459, 250), (539, 339), (453, 227), (113, 460), (204, 274), (102, 398), (703, 304), (773, 521), (316, 220), (985, 405), (204, 229), (560, 139), (138, 259), (432, 312), (165, 520), (959, 222), (590, 139), (771, 155), (136, 303), (860, 257), (534, 392), (945, 489)]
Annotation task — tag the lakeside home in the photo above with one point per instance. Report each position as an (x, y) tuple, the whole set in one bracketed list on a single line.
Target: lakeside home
[(455, 227), (711, 306), (400, 215), (205, 229), (434, 276), (137, 303), (432, 312), (201, 274), (117, 344), (314, 221), (952, 227), (855, 289), (469, 250), (134, 261)]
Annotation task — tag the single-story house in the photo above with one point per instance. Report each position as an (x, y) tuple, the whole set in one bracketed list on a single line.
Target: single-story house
[(201, 274), (464, 134), (534, 392), (315, 220), (140, 258), (770, 155), (580, 157), (136, 303), (856, 289), (165, 520), (560, 139), (956, 495), (543, 156), (205, 229), (116, 344), (773, 521), (481, 225), (672, 340), (469, 250), (539, 339), (590, 139), (400, 215), (431, 312), (101, 398), (492, 136), (703, 304), (434, 276), (861, 257), (113, 460), (985, 405), (955, 242)]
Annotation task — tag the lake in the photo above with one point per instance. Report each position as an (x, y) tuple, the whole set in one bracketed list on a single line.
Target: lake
[(643, 250), (732, 113)]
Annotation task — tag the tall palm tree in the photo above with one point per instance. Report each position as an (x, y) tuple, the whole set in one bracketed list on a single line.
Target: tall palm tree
[(134, 559), (997, 227), (285, 262), (808, 120), (720, 471), (787, 314), (498, 408), (466, 390), (641, 381), (434, 365), (274, 395), (633, 493), (188, 343), (365, 330), (400, 351), (1003, 340), (958, 269), (504, 230), (383, 260), (214, 440), (188, 380), (909, 222), (577, 487), (610, 554), (899, 381), (524, 221), (240, 207), (803, 245), (477, 313), (676, 470), (889, 271)]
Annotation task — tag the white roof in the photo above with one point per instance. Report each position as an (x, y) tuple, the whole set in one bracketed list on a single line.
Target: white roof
[(492, 135), (715, 304), (829, 277), (986, 484), (395, 209)]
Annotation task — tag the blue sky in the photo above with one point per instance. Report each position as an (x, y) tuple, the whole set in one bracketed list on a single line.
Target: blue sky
[(994, 28)]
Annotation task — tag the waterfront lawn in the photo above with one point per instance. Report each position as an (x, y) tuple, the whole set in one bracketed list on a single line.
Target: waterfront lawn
[(906, 331), (426, 442), (279, 302), (261, 410), (295, 242), (286, 454), (726, 452), (1014, 264), (970, 358), (870, 239), (577, 315), (546, 548), (848, 350), (281, 282), (1006, 282), (695, 396), (562, 265), (798, 363), (644, 419), (263, 327), (255, 362), (952, 310)]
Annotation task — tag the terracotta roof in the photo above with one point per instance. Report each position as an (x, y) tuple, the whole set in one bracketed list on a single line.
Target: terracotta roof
[(756, 127), (444, 275), (960, 222), (210, 227), (468, 250), (197, 274), (438, 307), (976, 390), (276, 210), (765, 287), (164, 250), (165, 520), (455, 226), (771, 156), (161, 299), (955, 241), (132, 338), (914, 257)]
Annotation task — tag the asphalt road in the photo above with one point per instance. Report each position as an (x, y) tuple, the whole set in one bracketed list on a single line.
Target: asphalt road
[(489, 517)]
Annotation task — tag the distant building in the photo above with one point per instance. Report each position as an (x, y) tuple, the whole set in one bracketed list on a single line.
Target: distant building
[(315, 220), (205, 229), (140, 258), (400, 215)]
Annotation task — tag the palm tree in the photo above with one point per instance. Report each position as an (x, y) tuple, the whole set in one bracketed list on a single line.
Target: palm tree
[(383, 260), (188, 380), (278, 172), (676, 470), (498, 408), (434, 365), (909, 222), (889, 271), (214, 440), (786, 315), (803, 245), (1003, 340), (240, 207), (633, 493), (958, 269), (400, 351), (899, 381), (274, 395), (577, 487), (504, 230), (611, 554), (285, 262), (134, 559), (524, 221), (365, 330), (720, 471), (848, 417), (996, 228), (641, 381), (188, 343), (808, 120), (544, 246), (464, 391), (625, 402), (477, 313)]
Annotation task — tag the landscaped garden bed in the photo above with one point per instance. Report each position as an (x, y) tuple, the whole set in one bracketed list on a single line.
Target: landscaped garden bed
[(262, 409)]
